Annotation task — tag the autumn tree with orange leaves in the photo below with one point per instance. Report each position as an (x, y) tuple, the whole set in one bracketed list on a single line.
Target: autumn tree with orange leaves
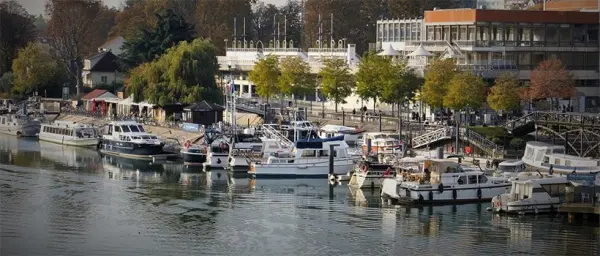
[(550, 80)]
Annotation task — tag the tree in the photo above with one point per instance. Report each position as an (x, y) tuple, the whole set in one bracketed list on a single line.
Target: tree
[(295, 77), (551, 80), (214, 19), (75, 30), (337, 81), (6, 84), (40, 25), (437, 79), (35, 69), (371, 76), (17, 28), (465, 90), (409, 9), (505, 94), (265, 76), (150, 45), (262, 22), (400, 85), (137, 16), (185, 74)]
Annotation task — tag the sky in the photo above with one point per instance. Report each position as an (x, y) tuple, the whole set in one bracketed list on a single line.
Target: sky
[(36, 7)]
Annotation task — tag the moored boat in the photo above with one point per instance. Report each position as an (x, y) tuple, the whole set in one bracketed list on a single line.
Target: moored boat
[(19, 125), (532, 194), (130, 140), (308, 159), (70, 133), (445, 182), (541, 157)]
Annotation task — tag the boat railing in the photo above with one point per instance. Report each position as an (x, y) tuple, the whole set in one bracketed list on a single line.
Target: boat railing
[(271, 133)]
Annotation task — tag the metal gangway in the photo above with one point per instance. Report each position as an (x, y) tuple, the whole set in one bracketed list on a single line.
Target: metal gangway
[(270, 132)]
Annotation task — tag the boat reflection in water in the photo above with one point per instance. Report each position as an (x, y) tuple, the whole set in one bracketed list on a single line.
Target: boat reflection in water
[(129, 169), (72, 157)]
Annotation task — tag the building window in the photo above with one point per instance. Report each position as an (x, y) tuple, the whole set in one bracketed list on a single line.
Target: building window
[(463, 33), (525, 36), (592, 33), (564, 34), (539, 34), (525, 60), (104, 79)]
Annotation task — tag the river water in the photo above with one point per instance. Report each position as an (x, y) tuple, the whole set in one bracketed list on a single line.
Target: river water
[(58, 200)]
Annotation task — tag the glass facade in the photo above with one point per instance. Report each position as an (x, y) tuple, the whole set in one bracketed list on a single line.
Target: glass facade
[(399, 30)]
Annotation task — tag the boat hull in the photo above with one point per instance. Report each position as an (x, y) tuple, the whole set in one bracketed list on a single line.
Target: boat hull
[(69, 141), (402, 194), (30, 129), (500, 204), (193, 159), (310, 170), (134, 149)]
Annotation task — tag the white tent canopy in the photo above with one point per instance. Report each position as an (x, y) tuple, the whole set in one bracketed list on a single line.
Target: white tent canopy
[(420, 52), (390, 51)]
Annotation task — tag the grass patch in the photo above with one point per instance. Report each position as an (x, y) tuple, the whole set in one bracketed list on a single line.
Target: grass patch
[(490, 132)]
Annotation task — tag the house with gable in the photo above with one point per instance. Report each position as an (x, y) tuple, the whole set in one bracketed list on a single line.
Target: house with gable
[(101, 69)]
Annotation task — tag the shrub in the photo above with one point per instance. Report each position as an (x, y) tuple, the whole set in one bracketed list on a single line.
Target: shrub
[(517, 143)]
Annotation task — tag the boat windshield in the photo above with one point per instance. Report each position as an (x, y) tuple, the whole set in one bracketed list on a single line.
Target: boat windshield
[(508, 168), (125, 128), (134, 128), (141, 128)]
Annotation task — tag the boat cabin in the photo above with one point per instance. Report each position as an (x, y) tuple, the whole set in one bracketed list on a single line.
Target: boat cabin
[(511, 166), (551, 187), (451, 173)]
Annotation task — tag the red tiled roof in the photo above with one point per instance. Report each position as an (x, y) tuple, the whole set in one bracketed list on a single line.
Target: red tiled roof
[(94, 94)]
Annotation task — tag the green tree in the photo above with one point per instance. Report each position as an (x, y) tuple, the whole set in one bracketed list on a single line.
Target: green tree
[(438, 75), (185, 74), (371, 76), (505, 94), (295, 78), (465, 90), (265, 76), (337, 81), (150, 45), (400, 85), (35, 69), (16, 30), (6, 84)]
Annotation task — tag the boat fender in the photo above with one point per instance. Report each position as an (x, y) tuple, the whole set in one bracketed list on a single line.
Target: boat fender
[(421, 198), (479, 193), (187, 144), (551, 208), (363, 167), (454, 194), (430, 195), (441, 188), (218, 160)]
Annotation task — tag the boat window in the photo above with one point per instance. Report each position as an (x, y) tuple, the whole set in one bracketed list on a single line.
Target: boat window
[(117, 129), (134, 128), (323, 152), (472, 179), (546, 159), (141, 128), (558, 151), (506, 168), (153, 137), (110, 129), (3, 120), (557, 161), (124, 128), (554, 189), (146, 137), (127, 138), (462, 180), (568, 162), (135, 137), (482, 179), (309, 153)]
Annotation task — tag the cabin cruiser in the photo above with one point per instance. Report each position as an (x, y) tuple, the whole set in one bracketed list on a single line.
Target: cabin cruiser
[(446, 182), (531, 195), (70, 133), (130, 140), (19, 125), (541, 156), (269, 147), (381, 143), (352, 136), (307, 159)]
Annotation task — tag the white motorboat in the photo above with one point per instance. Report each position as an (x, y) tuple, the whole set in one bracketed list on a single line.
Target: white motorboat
[(352, 136), (130, 140), (70, 133), (308, 159), (448, 183), (532, 194), (381, 143), (541, 156), (19, 125)]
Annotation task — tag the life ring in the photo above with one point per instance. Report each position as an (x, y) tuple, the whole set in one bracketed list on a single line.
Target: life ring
[(498, 204), (363, 167), (187, 144)]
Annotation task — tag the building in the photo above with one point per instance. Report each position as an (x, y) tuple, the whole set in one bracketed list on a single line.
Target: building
[(241, 57), (203, 113), (491, 4), (571, 5), (94, 99), (490, 42), (101, 69), (113, 45)]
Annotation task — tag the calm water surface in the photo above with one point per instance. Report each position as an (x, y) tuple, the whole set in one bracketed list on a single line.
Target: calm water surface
[(57, 200)]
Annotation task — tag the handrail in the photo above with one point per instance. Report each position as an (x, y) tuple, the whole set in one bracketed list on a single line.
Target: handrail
[(271, 133)]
